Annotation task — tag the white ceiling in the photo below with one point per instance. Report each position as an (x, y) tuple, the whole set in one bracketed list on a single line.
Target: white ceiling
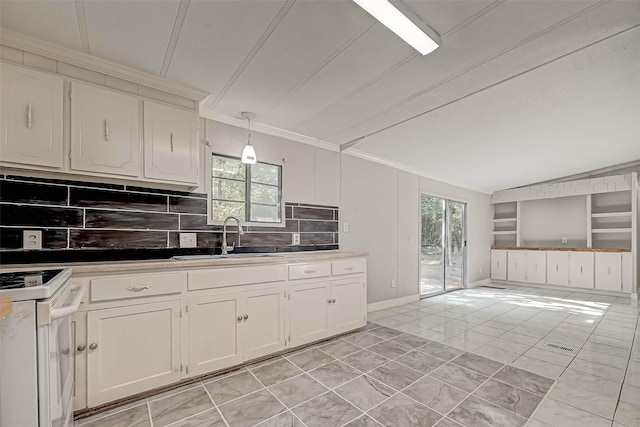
[(519, 91)]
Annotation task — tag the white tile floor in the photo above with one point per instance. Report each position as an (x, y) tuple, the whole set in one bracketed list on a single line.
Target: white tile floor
[(597, 377)]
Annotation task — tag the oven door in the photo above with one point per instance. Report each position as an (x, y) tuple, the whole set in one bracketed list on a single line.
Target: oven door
[(55, 357)]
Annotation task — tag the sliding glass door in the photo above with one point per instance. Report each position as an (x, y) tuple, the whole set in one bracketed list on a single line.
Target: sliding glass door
[(442, 254)]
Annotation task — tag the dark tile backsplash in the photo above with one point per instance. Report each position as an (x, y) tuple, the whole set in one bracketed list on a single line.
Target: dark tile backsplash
[(78, 215)]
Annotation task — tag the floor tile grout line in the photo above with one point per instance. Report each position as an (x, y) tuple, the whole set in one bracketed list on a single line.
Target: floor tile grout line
[(215, 405)]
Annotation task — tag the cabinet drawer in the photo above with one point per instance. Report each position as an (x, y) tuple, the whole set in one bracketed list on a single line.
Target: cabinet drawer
[(348, 266), (307, 271), (233, 276), (110, 288)]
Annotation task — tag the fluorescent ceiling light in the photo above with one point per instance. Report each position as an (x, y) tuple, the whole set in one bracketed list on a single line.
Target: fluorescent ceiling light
[(397, 22)]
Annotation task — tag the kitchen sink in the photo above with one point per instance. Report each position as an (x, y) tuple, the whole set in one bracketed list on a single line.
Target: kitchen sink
[(228, 256)]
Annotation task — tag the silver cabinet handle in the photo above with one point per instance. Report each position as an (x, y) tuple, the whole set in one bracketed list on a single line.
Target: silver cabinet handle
[(239, 318), (609, 271), (310, 271), (138, 288), (81, 347), (334, 301), (29, 116), (329, 301), (349, 268), (93, 346), (556, 267), (106, 130), (580, 269), (171, 141), (245, 317), (65, 351)]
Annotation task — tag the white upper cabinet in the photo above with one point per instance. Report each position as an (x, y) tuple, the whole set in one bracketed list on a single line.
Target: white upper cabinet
[(31, 117), (105, 131), (170, 143)]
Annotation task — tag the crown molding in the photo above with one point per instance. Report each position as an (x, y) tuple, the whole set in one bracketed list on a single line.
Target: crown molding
[(376, 159), (266, 129), (43, 48)]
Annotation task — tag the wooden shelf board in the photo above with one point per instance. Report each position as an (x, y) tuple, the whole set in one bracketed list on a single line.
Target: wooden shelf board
[(520, 248), (611, 214), (505, 219), (501, 233)]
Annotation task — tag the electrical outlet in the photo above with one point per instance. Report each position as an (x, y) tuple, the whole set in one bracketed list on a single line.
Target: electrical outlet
[(295, 239), (345, 227), (32, 239), (393, 283), (564, 240), (188, 240)]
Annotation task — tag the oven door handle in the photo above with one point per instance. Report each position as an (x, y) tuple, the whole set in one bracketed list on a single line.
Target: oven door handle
[(58, 313)]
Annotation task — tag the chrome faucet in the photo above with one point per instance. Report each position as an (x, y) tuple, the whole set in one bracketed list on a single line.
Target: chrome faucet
[(225, 250)]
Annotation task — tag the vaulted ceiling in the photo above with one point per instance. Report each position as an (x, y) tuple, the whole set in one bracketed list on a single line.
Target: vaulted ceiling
[(519, 91)]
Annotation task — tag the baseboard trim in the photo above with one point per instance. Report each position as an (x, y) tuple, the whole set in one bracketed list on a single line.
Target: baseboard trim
[(478, 283), (381, 305)]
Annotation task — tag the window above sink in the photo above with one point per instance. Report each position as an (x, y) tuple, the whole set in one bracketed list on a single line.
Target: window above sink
[(252, 193)]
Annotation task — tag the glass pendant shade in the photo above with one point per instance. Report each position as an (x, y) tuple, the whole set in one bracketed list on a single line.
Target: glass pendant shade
[(249, 155)]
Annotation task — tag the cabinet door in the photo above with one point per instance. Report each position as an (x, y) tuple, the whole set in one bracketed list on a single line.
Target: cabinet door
[(608, 272), (132, 349), (214, 338), (309, 312), (558, 268), (499, 265), (627, 273), (516, 266), (536, 267), (264, 327), (347, 310), (79, 330), (170, 143), (30, 117), (105, 131), (581, 269)]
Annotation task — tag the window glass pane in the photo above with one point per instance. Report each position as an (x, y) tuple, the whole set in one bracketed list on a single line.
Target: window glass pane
[(228, 190), (265, 173), (264, 194), (221, 210), (264, 213), (225, 167)]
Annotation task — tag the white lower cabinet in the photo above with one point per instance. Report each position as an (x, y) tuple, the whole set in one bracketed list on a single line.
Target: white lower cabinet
[(627, 273), (536, 270), (516, 266), (348, 303), (558, 268), (196, 322), (581, 269), (608, 271), (499, 264), (132, 349), (309, 312), (214, 347)]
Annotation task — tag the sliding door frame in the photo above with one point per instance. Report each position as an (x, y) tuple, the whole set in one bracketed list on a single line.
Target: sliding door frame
[(445, 254)]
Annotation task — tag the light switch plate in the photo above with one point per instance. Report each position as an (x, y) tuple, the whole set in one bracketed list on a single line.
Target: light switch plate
[(295, 239), (345, 227), (188, 240), (32, 239)]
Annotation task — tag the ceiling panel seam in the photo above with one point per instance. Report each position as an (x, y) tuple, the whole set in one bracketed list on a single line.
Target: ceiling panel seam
[(473, 17), (252, 53), (400, 64), (82, 25), (175, 34), (471, 68), (324, 63), (362, 138)]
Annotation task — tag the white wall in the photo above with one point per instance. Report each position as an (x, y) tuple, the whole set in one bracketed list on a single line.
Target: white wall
[(382, 208), (544, 222), (309, 174)]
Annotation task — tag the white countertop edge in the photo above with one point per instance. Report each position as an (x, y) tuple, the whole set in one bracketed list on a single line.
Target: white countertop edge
[(171, 264)]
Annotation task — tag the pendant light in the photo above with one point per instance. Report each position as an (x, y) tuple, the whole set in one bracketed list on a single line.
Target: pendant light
[(249, 153)]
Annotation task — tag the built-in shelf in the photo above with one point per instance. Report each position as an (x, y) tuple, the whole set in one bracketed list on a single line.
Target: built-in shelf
[(499, 233), (610, 214), (514, 219), (610, 230)]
